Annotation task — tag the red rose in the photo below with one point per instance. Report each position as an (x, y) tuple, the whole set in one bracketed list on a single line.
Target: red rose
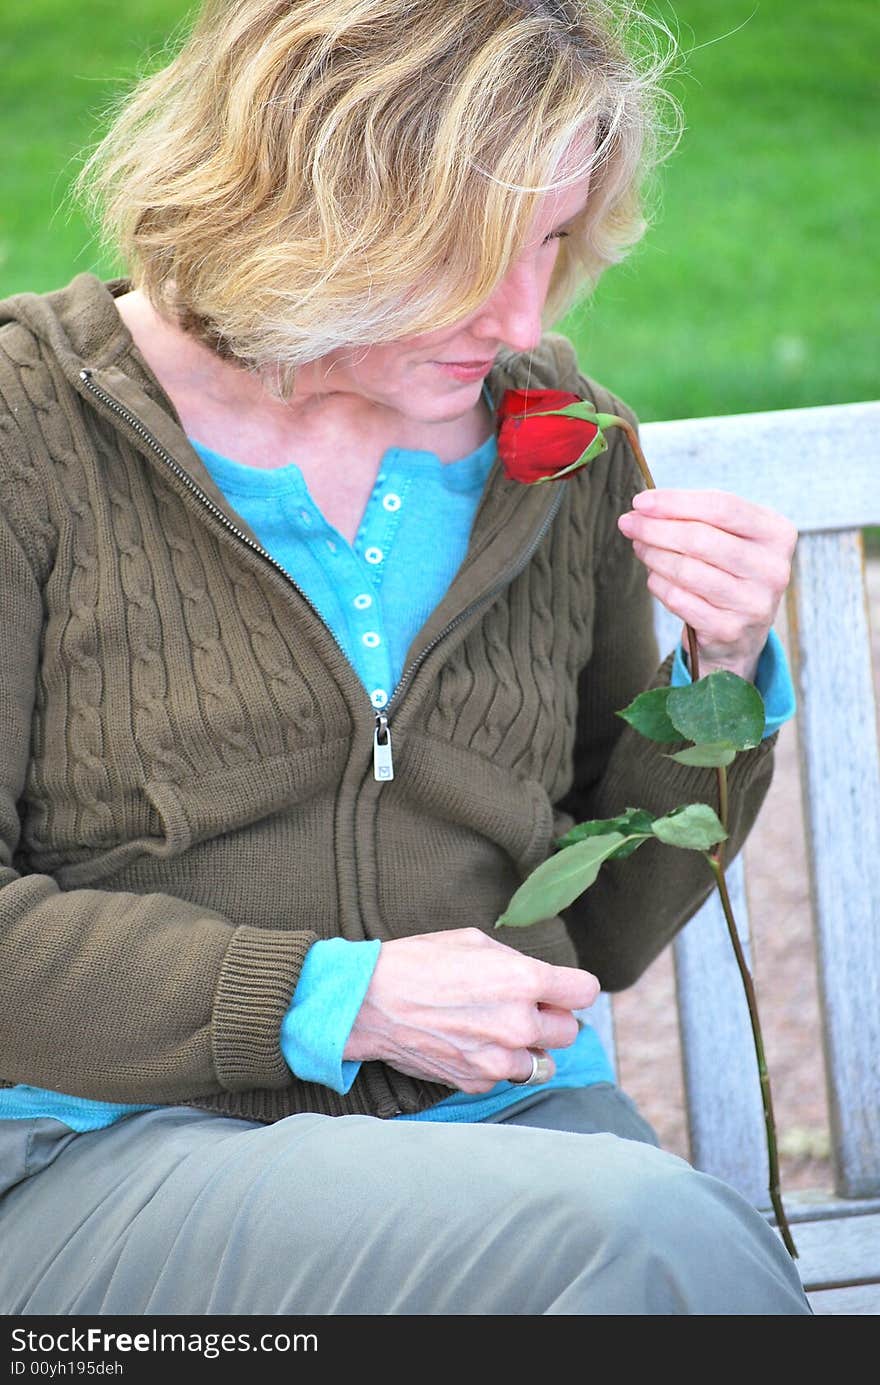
[(546, 434)]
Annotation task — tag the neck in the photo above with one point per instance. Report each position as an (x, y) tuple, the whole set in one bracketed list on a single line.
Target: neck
[(215, 396)]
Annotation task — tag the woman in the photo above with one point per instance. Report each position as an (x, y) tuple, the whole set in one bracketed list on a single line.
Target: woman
[(299, 686)]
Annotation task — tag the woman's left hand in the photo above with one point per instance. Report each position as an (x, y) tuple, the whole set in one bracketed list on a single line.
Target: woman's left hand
[(719, 562)]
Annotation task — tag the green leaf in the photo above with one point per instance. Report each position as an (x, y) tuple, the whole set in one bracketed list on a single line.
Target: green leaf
[(581, 409), (695, 825), (720, 707), (632, 820), (555, 883), (706, 753), (629, 845), (647, 713)]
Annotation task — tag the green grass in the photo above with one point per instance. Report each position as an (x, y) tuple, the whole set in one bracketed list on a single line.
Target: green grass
[(61, 66), (757, 285)]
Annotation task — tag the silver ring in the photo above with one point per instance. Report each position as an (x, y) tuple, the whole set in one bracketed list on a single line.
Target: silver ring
[(540, 1072)]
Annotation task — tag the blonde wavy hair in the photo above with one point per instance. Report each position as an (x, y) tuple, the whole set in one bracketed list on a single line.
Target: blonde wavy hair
[(306, 175)]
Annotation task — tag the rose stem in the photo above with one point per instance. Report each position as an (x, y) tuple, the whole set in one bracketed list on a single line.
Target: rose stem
[(764, 1075), (716, 860), (649, 482)]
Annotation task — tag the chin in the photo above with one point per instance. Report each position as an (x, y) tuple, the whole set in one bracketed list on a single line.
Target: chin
[(457, 397)]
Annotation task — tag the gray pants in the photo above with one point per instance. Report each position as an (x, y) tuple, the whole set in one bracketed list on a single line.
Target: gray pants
[(542, 1211)]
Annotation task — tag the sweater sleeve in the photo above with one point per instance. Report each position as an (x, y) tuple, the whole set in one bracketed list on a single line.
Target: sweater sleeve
[(182, 1002), (637, 905)]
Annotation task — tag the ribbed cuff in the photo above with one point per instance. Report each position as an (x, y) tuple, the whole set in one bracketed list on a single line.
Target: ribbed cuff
[(259, 975)]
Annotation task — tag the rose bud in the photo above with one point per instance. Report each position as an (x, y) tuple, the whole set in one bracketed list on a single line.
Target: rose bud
[(544, 435)]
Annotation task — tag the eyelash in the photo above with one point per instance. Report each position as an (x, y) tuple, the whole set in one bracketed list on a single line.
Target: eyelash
[(557, 235)]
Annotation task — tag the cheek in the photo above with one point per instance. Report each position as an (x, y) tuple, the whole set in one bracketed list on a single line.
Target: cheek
[(379, 366)]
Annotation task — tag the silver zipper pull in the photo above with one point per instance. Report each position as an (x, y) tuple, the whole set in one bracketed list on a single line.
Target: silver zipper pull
[(383, 765)]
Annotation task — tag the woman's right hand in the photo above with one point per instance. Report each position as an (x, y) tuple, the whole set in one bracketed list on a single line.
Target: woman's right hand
[(461, 1008)]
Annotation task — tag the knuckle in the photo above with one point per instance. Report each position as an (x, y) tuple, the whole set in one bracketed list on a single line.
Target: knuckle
[(525, 1030), (494, 1063), (762, 606), (591, 988), (475, 936), (534, 977), (679, 567), (730, 630), (662, 588), (705, 541), (566, 1033), (790, 537), (782, 576), (476, 1086)]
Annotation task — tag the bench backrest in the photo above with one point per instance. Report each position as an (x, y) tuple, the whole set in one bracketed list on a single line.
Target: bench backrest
[(821, 468)]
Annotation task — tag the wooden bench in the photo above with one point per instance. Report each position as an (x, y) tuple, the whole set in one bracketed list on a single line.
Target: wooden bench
[(821, 468)]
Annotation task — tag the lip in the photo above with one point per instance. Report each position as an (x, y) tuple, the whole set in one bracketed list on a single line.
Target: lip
[(465, 370)]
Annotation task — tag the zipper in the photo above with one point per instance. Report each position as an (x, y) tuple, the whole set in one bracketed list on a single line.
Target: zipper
[(383, 763), (383, 766)]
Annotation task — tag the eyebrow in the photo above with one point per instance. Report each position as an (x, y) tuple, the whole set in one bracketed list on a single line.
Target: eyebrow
[(572, 216), (579, 212)]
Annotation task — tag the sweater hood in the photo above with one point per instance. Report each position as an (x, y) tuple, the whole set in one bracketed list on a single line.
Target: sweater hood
[(79, 322)]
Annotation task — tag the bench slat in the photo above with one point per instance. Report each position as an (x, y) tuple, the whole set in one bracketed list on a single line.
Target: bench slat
[(789, 460), (858, 1300), (838, 1252), (841, 786), (724, 1109)]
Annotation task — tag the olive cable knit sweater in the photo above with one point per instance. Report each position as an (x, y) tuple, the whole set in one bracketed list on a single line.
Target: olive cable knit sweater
[(187, 794)]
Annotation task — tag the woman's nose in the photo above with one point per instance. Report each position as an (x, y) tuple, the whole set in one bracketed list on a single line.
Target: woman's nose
[(513, 313)]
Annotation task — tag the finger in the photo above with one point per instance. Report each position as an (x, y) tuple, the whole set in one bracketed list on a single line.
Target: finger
[(727, 552), (524, 1066), (567, 987), (713, 625), (723, 510), (556, 1028), (755, 600)]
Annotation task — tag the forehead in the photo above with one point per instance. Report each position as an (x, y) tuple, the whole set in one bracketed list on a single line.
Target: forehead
[(561, 203)]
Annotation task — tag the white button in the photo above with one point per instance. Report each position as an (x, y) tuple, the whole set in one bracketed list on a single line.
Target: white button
[(378, 697), (305, 516), (362, 601), (371, 639), (391, 501), (331, 544), (374, 555)]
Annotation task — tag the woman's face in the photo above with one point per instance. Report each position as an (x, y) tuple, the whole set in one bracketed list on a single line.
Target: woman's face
[(408, 376)]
